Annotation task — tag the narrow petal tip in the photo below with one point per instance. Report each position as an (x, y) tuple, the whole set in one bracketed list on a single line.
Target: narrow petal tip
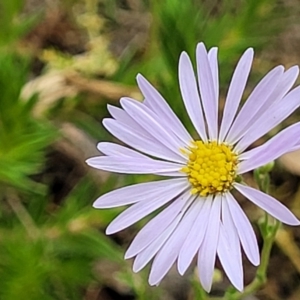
[(96, 204), (201, 45), (152, 281), (91, 162), (111, 230), (105, 121), (181, 271), (183, 55), (256, 261), (239, 286), (103, 202), (181, 265), (140, 79), (206, 285), (250, 51), (128, 255), (293, 221), (295, 69), (135, 268)]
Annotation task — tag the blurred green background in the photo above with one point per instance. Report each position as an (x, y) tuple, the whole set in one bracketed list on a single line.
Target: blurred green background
[(61, 63)]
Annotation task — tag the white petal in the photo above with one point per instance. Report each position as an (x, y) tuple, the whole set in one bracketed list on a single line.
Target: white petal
[(230, 264), (190, 95), (279, 111), (155, 227), (296, 147), (195, 236), (229, 249), (158, 105), (280, 144), (138, 192), (229, 225), (141, 209), (244, 229), (168, 254), (151, 123), (213, 62), (136, 139), (255, 101), (121, 115), (269, 204), (148, 253), (208, 249), (112, 149), (207, 91), (235, 92), (285, 83), (136, 165)]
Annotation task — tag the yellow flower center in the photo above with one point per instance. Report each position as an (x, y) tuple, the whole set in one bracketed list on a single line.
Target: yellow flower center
[(211, 167)]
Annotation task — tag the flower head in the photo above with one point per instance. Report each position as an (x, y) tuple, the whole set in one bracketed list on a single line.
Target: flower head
[(200, 217)]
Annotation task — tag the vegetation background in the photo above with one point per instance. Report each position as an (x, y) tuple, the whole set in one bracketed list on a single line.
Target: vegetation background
[(61, 63)]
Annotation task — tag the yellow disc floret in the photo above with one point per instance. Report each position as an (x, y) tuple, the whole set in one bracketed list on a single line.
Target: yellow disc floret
[(211, 167)]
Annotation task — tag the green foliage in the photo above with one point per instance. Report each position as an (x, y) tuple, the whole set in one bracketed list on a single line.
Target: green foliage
[(230, 25), (23, 138), (53, 261), (13, 23)]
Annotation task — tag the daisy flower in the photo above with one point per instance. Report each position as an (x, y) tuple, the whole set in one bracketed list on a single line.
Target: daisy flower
[(198, 214)]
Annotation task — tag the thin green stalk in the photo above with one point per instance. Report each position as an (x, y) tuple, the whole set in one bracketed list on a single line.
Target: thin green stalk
[(22, 214), (268, 232), (261, 274)]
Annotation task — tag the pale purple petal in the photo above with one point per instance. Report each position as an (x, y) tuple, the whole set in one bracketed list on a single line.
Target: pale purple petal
[(157, 104), (295, 148), (141, 209), (148, 253), (213, 62), (155, 227), (255, 101), (208, 249), (244, 229), (280, 144), (284, 85), (171, 174), (190, 94), (195, 236), (235, 92), (273, 116), (168, 254), (121, 115), (268, 204), (151, 123), (230, 264), (233, 236), (207, 91), (136, 165), (112, 149), (229, 249), (136, 139), (142, 192)]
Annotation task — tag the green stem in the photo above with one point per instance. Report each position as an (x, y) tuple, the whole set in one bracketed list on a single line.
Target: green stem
[(268, 232), (22, 214), (261, 274)]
